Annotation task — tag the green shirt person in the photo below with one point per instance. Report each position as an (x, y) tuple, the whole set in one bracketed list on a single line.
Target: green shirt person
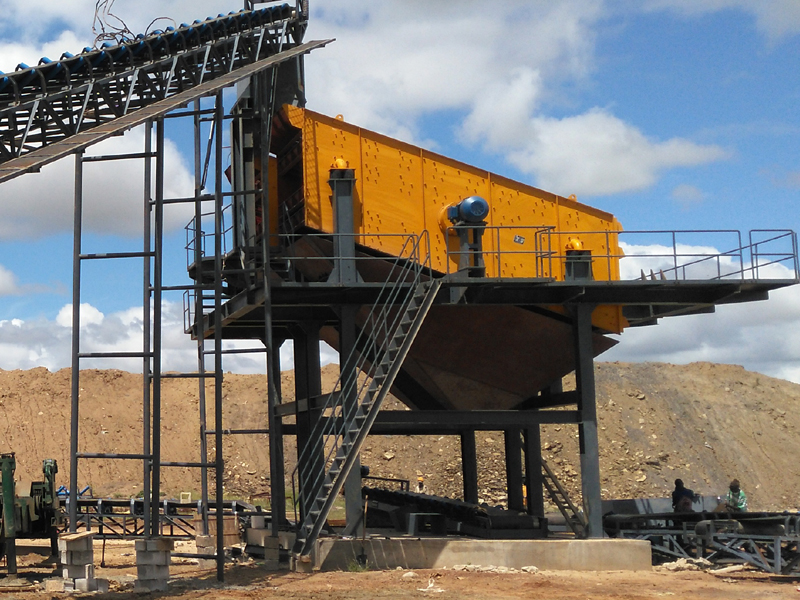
[(736, 500)]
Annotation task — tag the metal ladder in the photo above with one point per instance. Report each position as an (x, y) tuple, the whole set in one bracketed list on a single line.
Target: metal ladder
[(341, 432), (558, 494)]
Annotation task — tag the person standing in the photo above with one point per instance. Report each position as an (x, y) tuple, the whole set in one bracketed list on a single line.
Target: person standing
[(735, 500), (682, 497)]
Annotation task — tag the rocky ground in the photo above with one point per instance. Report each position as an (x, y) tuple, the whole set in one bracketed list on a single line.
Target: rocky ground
[(705, 423)]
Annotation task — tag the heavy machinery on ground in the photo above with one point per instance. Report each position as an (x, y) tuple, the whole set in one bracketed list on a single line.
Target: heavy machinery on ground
[(30, 510)]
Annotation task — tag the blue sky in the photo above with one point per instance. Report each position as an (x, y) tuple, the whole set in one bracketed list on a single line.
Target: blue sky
[(671, 114)]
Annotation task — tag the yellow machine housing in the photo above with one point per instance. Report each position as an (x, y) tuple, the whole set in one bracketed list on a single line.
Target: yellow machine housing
[(401, 188)]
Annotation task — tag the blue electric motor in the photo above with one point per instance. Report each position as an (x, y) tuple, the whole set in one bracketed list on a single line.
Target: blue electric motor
[(470, 210)]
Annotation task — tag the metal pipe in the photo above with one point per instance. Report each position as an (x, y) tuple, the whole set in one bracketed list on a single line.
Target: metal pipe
[(76, 340)]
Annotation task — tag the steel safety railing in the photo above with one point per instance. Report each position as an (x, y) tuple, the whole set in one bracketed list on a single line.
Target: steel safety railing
[(507, 246), (678, 255)]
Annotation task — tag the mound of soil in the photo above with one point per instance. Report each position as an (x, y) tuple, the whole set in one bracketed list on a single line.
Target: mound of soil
[(705, 423)]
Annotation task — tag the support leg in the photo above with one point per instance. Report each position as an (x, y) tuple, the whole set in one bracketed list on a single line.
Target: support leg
[(469, 466), (533, 471), (513, 445), (587, 428), (347, 364)]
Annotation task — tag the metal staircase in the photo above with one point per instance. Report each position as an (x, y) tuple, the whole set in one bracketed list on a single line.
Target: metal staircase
[(350, 411), (558, 494)]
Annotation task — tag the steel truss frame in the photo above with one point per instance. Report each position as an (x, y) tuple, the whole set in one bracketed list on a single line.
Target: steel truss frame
[(722, 540), (42, 105), (151, 522)]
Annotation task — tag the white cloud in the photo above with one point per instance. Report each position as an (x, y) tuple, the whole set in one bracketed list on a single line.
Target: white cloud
[(8, 282), (38, 204), (761, 336), (42, 342), (89, 316), (596, 153), (687, 195), (774, 18), (390, 65)]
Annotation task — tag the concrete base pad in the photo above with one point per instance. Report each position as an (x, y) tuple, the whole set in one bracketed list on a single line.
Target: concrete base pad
[(436, 553)]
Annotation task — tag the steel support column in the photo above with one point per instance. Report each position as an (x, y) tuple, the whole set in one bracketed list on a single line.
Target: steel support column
[(534, 484), (348, 370), (265, 88), (469, 466), (307, 384), (219, 464), (587, 428), (76, 341), (513, 447), (277, 471), (198, 311), (152, 502), (147, 369)]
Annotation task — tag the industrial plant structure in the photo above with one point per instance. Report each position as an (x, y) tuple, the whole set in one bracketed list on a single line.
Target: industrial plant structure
[(465, 294)]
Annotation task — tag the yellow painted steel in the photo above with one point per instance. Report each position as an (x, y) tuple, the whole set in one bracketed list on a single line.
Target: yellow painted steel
[(403, 189)]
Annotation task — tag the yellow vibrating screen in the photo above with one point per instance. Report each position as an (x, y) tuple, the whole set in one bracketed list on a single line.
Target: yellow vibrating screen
[(404, 189)]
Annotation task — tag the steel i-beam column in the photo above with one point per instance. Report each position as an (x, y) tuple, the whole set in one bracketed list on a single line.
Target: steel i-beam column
[(147, 370), (7, 467), (266, 94), (219, 465), (276, 463), (76, 341), (198, 313), (513, 447), (342, 181), (348, 371), (152, 502), (307, 385), (587, 428), (532, 443), (469, 466)]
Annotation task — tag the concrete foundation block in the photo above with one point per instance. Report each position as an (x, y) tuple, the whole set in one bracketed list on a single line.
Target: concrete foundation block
[(286, 539), (155, 545), (54, 585), (435, 553), (258, 522), (81, 557), (76, 542), (271, 565), (152, 585), (86, 585), (261, 537), (77, 571), (152, 558), (152, 571)]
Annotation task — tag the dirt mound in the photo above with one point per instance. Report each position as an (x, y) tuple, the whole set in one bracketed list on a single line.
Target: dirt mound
[(704, 423)]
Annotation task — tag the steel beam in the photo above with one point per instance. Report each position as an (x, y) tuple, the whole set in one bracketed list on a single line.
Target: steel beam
[(587, 427), (469, 465), (534, 481), (513, 448)]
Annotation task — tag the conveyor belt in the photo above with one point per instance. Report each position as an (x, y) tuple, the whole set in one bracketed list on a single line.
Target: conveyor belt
[(57, 99), (767, 541)]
